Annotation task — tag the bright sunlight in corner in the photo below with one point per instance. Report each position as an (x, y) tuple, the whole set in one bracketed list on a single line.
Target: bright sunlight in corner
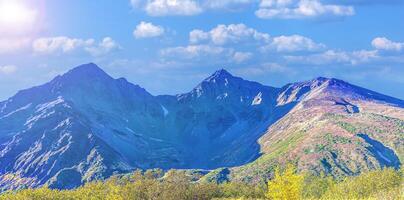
[(16, 15)]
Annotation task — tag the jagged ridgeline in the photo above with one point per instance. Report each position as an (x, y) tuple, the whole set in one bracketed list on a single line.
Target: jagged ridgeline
[(85, 125)]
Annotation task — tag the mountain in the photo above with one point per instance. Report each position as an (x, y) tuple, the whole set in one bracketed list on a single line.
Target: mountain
[(335, 128), (220, 120), (85, 125), (74, 129)]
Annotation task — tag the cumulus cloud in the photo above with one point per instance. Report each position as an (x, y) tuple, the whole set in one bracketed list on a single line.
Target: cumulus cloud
[(7, 69), (267, 9), (193, 51), (298, 9), (168, 7), (201, 52), (336, 57), (236, 43), (241, 34), (62, 44), (383, 43), (232, 33), (240, 57), (226, 4), (293, 43), (104, 47), (187, 7), (147, 30), (219, 43), (196, 35)]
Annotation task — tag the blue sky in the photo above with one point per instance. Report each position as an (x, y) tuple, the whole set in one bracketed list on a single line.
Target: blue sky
[(169, 46)]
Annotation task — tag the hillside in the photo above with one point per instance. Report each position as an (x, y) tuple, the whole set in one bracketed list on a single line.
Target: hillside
[(335, 128)]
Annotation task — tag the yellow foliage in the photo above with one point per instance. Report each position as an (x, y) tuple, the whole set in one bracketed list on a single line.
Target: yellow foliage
[(176, 185), (287, 185), (367, 184)]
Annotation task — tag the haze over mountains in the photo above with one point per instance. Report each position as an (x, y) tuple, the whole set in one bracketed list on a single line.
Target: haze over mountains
[(85, 125)]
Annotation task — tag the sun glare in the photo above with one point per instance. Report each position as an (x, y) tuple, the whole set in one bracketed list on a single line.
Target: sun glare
[(16, 15)]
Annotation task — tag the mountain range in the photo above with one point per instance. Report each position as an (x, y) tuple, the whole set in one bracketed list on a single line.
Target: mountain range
[(85, 125)]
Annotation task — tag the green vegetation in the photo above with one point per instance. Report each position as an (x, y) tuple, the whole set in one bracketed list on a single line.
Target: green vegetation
[(348, 127), (335, 139), (177, 185), (281, 147)]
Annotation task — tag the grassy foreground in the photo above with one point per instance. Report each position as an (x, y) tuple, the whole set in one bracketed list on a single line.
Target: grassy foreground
[(177, 185)]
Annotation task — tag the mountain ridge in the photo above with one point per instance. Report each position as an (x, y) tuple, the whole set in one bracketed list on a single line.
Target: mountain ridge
[(221, 73), (85, 125)]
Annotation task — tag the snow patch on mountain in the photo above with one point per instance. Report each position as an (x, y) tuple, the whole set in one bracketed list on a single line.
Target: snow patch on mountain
[(30, 121), (16, 111), (63, 123), (49, 105), (257, 99), (165, 111), (222, 96)]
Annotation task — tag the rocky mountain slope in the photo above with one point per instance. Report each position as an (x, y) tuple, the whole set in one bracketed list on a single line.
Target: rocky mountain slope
[(335, 128), (85, 125)]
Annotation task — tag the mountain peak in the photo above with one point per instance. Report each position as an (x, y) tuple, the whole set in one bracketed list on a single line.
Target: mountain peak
[(325, 80), (89, 68), (321, 78), (88, 71), (219, 75), (331, 80)]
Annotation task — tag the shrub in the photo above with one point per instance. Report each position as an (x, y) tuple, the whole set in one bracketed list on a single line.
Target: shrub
[(286, 185)]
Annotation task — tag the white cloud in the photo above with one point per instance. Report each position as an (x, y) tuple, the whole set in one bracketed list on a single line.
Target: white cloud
[(62, 44), (363, 56), (223, 34), (168, 7), (226, 4), (186, 7), (59, 44), (240, 57), (213, 44), (275, 3), (283, 9), (336, 57), (243, 35), (8, 69), (383, 43), (236, 43), (298, 9), (104, 47), (196, 36), (147, 30), (293, 43), (193, 51), (202, 52)]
